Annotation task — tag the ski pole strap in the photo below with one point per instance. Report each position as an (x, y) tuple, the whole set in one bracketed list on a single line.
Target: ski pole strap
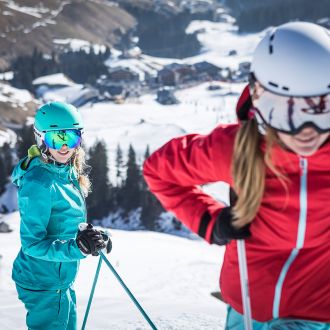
[(92, 293), (128, 291)]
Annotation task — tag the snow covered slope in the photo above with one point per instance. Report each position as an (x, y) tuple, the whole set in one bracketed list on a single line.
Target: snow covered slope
[(148, 122), (172, 278)]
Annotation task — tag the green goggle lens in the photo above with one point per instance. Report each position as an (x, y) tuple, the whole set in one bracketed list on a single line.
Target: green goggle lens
[(56, 139)]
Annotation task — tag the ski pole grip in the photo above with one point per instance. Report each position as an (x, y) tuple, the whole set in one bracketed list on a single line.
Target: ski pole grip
[(84, 225)]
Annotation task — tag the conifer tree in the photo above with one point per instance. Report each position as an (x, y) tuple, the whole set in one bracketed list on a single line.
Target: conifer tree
[(83, 67), (28, 67), (151, 207), (7, 158), (6, 165), (147, 153), (119, 165), (99, 201), (25, 140), (132, 184), (3, 174)]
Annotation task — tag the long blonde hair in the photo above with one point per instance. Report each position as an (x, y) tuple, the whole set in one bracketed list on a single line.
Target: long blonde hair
[(79, 163), (249, 170)]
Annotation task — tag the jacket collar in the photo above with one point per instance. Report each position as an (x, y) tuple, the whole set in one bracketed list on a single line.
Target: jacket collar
[(64, 172)]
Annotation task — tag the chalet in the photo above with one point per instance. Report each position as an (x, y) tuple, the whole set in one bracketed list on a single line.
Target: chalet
[(175, 74), (120, 81), (122, 74), (207, 70)]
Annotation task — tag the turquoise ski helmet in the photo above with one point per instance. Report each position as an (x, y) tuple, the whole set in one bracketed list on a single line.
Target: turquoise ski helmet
[(54, 116), (57, 116)]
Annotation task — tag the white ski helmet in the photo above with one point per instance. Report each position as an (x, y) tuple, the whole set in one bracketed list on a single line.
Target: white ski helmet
[(294, 60)]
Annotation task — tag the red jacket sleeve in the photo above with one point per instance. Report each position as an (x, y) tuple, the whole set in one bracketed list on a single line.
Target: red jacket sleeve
[(175, 172)]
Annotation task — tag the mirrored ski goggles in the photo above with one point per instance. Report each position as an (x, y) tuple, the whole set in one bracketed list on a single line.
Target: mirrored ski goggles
[(291, 114), (56, 139)]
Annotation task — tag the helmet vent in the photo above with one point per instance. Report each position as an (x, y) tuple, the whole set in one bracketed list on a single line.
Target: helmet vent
[(76, 124), (53, 125), (285, 88), (270, 49), (271, 38), (272, 84)]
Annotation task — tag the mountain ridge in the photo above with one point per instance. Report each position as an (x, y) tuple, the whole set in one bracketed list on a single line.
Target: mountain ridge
[(25, 25)]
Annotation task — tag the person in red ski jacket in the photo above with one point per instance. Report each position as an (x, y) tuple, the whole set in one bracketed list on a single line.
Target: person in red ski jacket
[(276, 160)]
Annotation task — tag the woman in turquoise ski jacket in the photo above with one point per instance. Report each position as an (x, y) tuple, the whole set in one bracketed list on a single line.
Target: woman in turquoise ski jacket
[(51, 192)]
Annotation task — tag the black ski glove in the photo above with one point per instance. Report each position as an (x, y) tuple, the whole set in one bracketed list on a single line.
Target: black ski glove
[(224, 231), (90, 240)]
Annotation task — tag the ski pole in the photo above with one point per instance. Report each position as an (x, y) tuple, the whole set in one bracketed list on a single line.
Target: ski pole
[(128, 291), (244, 284), (92, 293)]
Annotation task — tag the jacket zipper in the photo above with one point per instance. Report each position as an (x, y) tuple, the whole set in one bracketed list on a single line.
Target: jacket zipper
[(59, 271), (300, 237), (83, 198)]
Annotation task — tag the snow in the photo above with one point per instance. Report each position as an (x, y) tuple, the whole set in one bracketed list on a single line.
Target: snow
[(7, 13), (7, 136), (62, 94), (14, 95), (170, 276), (54, 79), (138, 66), (79, 44), (7, 75), (33, 11), (218, 39), (38, 11), (8, 198), (149, 122), (144, 121)]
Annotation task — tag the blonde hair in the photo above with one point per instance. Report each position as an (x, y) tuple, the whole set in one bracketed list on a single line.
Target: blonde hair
[(79, 164), (249, 170)]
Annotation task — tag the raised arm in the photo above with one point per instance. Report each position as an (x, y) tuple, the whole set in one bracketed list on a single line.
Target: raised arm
[(175, 172)]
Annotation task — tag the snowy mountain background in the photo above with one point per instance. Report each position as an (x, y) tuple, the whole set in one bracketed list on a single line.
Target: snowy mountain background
[(171, 275)]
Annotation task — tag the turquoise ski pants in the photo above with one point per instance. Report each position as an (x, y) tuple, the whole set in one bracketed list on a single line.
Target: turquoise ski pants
[(235, 321), (49, 309)]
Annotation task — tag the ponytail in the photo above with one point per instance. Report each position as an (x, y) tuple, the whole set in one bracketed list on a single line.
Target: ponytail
[(249, 170)]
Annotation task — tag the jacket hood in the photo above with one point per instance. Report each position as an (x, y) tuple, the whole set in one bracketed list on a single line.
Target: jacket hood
[(20, 170)]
